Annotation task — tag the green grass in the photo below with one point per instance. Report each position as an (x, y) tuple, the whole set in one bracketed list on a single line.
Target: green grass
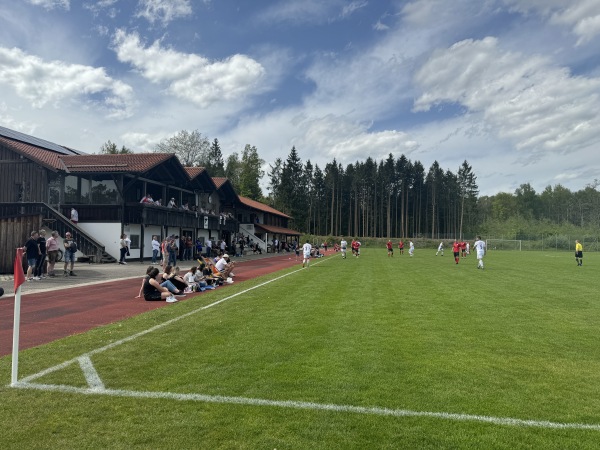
[(517, 340)]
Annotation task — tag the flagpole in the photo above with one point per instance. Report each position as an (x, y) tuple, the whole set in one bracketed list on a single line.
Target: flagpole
[(19, 279), (15, 349)]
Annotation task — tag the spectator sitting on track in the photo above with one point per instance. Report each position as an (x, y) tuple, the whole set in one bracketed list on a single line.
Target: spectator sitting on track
[(196, 280), (209, 277), (153, 290), (148, 270), (225, 266), (168, 283), (177, 279)]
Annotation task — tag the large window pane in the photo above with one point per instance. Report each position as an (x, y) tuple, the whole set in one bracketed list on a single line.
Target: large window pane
[(71, 194), (104, 192)]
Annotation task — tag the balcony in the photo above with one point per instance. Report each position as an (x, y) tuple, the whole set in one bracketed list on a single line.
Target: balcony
[(142, 213)]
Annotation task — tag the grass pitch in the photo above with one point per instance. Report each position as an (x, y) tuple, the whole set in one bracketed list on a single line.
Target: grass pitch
[(369, 352)]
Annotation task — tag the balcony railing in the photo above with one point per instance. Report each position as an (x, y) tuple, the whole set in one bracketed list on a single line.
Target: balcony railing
[(142, 213)]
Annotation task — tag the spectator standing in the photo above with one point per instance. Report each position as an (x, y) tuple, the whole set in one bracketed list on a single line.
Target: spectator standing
[(208, 248), (123, 248), (147, 199), (189, 248), (32, 251), (172, 203), (155, 249), (52, 251), (74, 216), (39, 267), (172, 251), (69, 254)]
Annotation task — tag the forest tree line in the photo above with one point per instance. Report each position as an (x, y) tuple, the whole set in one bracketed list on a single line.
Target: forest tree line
[(395, 197)]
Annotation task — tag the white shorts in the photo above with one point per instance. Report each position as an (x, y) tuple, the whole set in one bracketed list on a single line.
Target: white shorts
[(307, 256)]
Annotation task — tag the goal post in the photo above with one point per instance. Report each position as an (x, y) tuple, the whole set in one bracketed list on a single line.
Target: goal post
[(503, 244)]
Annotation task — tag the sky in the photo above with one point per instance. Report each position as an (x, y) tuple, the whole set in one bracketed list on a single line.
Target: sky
[(511, 86)]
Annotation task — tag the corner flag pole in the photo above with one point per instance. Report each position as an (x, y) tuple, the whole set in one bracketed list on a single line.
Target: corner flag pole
[(19, 279)]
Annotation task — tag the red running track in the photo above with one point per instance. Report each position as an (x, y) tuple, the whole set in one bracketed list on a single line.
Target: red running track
[(48, 316)]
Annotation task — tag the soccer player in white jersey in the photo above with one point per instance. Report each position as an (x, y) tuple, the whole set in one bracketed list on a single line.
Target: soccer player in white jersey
[(343, 246), (480, 249), (306, 248), (411, 248), (440, 249)]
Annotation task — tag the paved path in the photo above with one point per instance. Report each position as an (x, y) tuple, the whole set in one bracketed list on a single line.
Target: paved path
[(100, 294)]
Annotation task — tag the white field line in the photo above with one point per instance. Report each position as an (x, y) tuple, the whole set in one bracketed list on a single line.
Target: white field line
[(505, 421), (91, 376), (150, 330)]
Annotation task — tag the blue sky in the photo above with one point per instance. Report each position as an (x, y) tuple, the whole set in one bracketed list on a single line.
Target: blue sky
[(513, 86)]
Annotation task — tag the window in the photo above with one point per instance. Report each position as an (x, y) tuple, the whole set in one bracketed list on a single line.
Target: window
[(104, 192), (135, 241)]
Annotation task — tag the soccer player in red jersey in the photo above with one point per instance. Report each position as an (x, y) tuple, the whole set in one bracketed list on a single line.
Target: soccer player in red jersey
[(456, 250), (401, 247), (390, 248)]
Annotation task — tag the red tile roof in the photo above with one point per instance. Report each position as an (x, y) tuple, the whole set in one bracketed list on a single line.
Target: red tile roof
[(261, 206), (277, 230), (219, 181), (193, 172), (136, 162), (47, 158)]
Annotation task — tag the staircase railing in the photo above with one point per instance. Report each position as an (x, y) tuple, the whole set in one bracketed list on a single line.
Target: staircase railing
[(54, 220)]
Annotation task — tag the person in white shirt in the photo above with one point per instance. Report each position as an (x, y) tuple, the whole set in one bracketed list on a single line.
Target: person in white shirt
[(225, 266), (480, 249), (343, 247), (411, 248), (440, 249), (208, 248), (172, 203), (306, 249), (74, 216), (155, 249)]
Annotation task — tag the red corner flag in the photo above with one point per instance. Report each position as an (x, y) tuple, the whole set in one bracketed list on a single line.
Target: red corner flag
[(19, 275)]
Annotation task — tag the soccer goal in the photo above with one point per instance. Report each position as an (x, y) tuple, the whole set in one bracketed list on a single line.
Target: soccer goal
[(503, 244)]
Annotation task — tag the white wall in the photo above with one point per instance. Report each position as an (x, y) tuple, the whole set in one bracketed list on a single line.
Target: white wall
[(108, 234)]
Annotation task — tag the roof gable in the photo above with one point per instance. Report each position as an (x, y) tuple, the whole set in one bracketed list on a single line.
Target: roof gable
[(43, 157), (261, 206)]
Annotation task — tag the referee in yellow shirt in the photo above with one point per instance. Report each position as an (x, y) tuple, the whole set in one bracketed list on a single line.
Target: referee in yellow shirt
[(578, 253)]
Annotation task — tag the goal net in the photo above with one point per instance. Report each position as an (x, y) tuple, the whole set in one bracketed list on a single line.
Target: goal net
[(503, 244)]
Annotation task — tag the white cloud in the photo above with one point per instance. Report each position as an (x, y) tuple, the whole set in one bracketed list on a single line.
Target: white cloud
[(582, 16), (350, 8), (337, 137), (301, 12), (526, 100), (51, 4), (164, 11), (143, 142), (188, 76), (42, 82)]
